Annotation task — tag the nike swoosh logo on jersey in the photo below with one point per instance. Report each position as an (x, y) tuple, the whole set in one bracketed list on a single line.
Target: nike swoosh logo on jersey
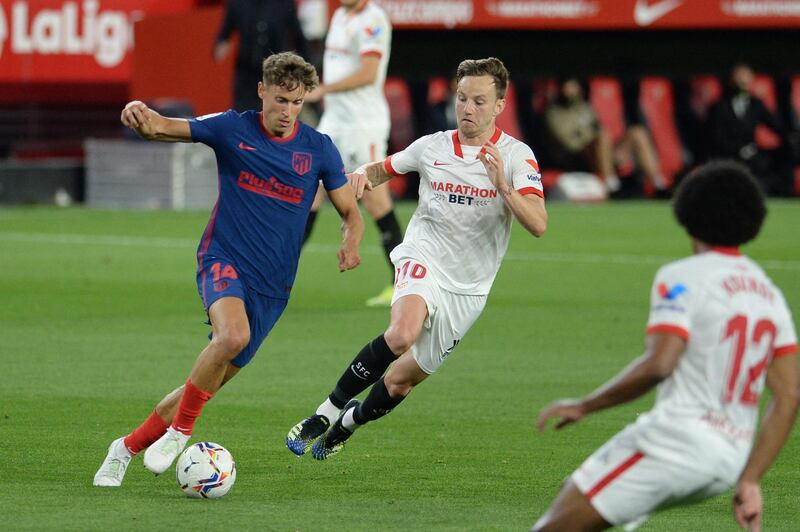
[(243, 146), (437, 163), (645, 14)]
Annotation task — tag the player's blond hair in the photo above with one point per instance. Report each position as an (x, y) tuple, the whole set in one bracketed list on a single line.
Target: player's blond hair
[(491, 66), (289, 70)]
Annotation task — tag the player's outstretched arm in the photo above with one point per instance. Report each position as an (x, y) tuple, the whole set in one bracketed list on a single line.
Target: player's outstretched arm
[(152, 126), (662, 353), (529, 210), (352, 226), (367, 177), (779, 417), (366, 74)]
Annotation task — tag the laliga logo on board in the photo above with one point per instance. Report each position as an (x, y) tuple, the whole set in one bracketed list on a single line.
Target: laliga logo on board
[(105, 35)]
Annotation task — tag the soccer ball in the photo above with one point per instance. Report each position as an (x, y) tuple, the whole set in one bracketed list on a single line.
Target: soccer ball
[(206, 470)]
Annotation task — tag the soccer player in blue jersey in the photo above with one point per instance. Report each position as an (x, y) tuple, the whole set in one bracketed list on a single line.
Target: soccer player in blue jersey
[(269, 167)]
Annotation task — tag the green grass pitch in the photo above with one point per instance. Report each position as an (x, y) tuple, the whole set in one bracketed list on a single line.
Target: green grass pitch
[(100, 318)]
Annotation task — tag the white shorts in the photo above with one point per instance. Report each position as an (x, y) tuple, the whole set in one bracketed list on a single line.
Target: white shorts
[(449, 318), (359, 146), (625, 485)]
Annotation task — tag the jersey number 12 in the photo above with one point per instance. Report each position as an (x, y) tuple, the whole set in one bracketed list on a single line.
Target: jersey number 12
[(737, 331)]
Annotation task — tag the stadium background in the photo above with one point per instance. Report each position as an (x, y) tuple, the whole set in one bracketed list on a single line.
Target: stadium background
[(59, 86), (99, 311)]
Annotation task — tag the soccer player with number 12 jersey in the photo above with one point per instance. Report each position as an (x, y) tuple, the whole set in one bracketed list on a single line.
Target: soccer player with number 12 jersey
[(719, 330)]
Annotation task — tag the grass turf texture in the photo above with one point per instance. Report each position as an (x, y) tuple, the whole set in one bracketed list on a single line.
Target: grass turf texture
[(100, 318)]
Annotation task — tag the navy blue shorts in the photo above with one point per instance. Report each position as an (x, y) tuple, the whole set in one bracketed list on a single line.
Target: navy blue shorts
[(217, 278)]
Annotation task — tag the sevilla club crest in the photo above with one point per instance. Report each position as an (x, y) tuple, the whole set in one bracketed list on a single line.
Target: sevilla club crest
[(301, 162)]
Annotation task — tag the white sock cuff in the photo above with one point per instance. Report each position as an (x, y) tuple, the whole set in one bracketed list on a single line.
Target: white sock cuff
[(328, 410)]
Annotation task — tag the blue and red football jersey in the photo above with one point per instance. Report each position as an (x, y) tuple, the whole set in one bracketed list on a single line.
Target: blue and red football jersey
[(266, 187)]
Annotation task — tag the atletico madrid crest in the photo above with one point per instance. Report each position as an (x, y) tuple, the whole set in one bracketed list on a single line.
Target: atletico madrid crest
[(301, 162)]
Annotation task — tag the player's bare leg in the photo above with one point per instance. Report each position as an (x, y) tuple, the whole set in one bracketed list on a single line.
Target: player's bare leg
[(379, 205), (408, 316), (231, 334), (570, 510), (639, 142), (112, 471), (604, 156)]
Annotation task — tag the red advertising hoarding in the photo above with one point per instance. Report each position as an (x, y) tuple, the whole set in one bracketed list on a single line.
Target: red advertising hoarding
[(77, 41), (592, 14)]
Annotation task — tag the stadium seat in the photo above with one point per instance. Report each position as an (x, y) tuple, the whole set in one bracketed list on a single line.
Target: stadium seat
[(658, 105), (401, 112), (508, 120), (543, 91), (438, 90), (705, 90), (605, 95), (764, 88), (795, 98), (401, 134)]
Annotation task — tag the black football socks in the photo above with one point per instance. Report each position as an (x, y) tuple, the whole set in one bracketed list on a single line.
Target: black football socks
[(365, 369)]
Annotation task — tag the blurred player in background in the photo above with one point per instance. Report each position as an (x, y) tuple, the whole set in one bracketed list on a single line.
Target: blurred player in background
[(264, 27), (718, 330), (356, 114), (474, 182), (269, 166)]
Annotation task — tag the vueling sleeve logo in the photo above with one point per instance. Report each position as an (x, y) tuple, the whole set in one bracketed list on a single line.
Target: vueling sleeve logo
[(271, 187), (671, 293)]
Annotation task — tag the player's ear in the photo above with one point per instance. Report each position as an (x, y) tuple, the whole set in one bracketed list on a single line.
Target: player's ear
[(262, 89), (499, 105)]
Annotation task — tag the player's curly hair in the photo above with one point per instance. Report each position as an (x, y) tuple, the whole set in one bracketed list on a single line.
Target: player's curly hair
[(720, 204), (491, 66), (289, 70)]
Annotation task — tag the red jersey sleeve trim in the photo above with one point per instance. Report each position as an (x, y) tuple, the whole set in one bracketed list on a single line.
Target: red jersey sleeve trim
[(666, 328), (785, 350), (372, 53), (531, 190), (387, 165)]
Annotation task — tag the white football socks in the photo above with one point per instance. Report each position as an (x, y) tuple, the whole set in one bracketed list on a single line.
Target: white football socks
[(348, 422), (328, 410)]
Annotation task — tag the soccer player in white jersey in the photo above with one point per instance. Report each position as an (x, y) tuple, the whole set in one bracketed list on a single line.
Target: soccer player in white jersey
[(356, 114), (719, 329), (473, 182)]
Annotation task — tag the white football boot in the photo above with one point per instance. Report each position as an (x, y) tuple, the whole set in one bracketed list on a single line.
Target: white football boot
[(159, 456), (112, 471)]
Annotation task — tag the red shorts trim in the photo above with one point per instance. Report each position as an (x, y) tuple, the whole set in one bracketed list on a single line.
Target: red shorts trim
[(608, 479)]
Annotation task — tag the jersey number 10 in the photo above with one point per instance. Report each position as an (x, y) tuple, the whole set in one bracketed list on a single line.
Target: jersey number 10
[(737, 330)]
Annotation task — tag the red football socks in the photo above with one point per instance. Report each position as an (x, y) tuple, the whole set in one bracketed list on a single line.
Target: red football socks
[(145, 434), (190, 407)]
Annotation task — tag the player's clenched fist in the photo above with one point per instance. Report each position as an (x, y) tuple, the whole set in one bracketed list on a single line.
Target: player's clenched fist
[(137, 116)]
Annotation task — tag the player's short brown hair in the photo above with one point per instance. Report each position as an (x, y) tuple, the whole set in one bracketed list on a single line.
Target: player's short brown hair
[(289, 70), (491, 66)]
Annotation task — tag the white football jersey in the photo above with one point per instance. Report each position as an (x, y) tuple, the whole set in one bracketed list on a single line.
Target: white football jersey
[(462, 225), (365, 31), (735, 322)]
